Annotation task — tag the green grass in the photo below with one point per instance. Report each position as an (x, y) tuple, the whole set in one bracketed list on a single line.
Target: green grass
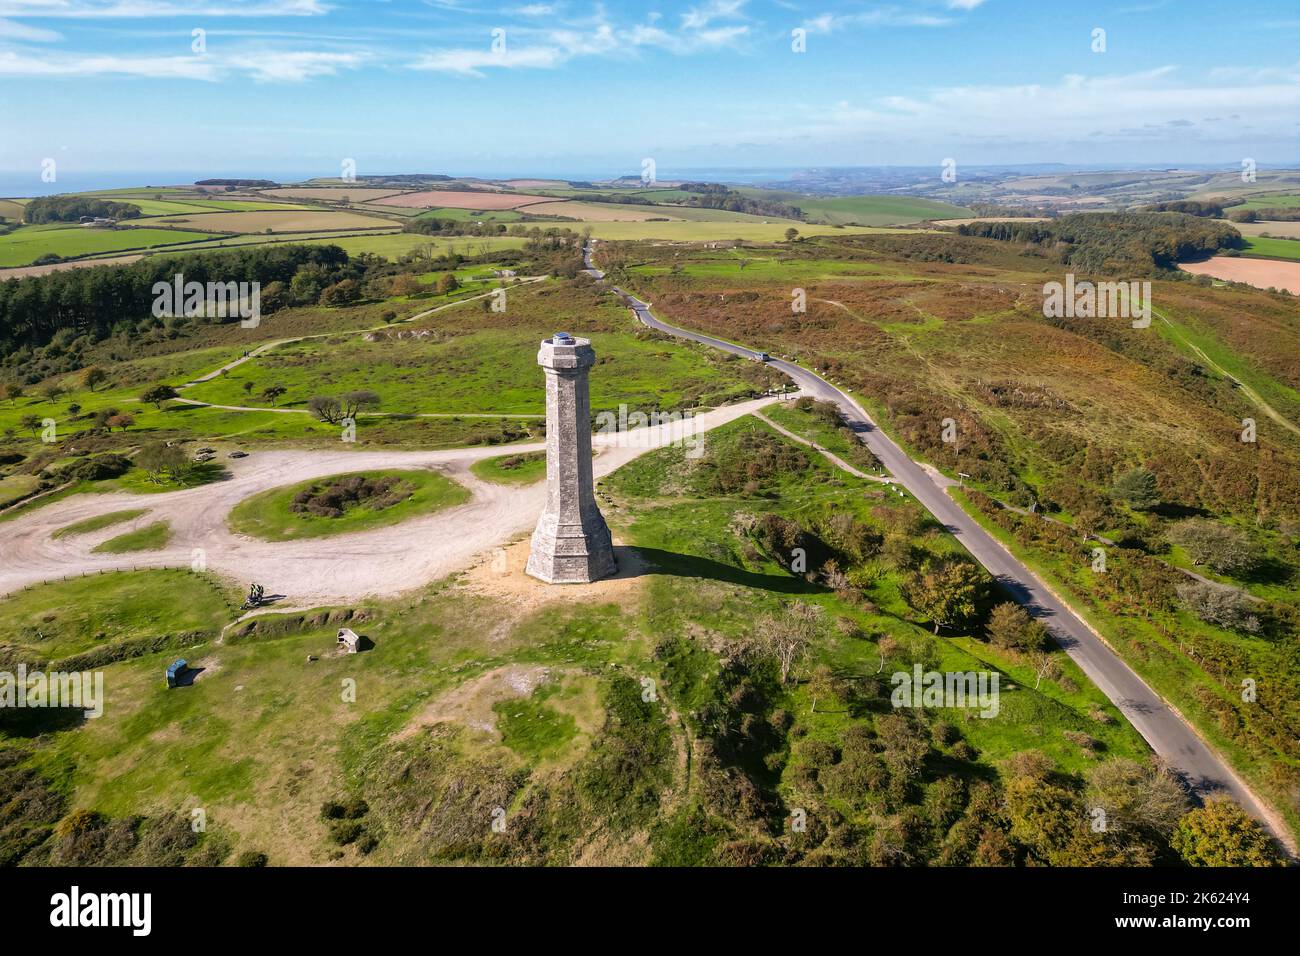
[(152, 537), (98, 522), (523, 468), (832, 438), (1270, 201), (532, 729), (865, 210), (1271, 248), (772, 231), (267, 515), (25, 245), (67, 617), (16, 487), (394, 245), (489, 370)]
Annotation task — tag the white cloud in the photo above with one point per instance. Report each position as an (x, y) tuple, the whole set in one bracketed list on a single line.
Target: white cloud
[(292, 66), (547, 49), (1151, 106), (134, 9), (697, 18), (262, 65), (12, 30), (157, 67), (879, 17)]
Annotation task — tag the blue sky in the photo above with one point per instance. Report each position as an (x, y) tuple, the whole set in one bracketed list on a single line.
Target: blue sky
[(296, 86)]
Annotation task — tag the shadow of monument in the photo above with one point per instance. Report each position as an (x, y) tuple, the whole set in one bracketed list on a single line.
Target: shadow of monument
[(635, 562)]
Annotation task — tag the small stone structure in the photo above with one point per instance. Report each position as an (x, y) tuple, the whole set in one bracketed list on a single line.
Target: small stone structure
[(348, 641), (571, 544)]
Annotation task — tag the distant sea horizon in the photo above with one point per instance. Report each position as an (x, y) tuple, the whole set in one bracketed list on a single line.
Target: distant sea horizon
[(28, 183)]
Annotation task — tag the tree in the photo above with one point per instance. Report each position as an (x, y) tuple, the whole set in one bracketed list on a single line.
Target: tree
[(74, 409), (887, 646), (787, 638), (12, 392), (404, 284), (52, 391), (1142, 801), (119, 421), (1220, 604), (447, 283), (158, 394), (326, 408), (1137, 488), (93, 376), (947, 592), (30, 422), (306, 284), (354, 402), (1044, 665), (1221, 834), (248, 387), (161, 461), (791, 234), (1221, 547), (340, 294), (821, 685), (1011, 628), (272, 392)]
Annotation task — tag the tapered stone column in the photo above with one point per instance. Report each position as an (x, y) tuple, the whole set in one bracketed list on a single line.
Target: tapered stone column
[(571, 544)]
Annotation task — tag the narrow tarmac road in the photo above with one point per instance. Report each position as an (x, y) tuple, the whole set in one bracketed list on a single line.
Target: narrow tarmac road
[(1171, 737)]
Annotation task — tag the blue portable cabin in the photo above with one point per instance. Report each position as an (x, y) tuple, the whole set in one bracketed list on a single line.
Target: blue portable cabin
[(175, 671)]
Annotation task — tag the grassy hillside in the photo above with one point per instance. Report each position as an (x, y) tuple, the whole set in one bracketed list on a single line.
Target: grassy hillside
[(924, 329), (644, 725)]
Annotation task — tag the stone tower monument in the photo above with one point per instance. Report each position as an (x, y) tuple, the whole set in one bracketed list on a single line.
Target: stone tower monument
[(571, 544)]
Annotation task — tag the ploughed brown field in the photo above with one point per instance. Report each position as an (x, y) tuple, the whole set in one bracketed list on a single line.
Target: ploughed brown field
[(1261, 273), (461, 199)]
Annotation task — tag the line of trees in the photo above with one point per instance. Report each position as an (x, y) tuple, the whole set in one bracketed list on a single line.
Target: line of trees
[(101, 300), (72, 208), (1116, 243)]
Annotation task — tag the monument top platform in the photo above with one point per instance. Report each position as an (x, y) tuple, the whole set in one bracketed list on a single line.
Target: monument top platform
[(563, 350)]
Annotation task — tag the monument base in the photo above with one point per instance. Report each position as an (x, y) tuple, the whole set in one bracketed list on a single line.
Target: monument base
[(571, 555)]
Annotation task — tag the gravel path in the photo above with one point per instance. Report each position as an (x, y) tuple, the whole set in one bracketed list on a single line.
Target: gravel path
[(378, 563)]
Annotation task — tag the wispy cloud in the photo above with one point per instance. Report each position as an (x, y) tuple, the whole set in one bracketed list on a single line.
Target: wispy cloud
[(13, 30), (137, 9), (261, 66), (702, 29)]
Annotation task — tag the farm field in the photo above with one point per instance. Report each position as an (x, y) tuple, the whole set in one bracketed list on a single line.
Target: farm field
[(396, 244), (463, 199), (864, 210), (751, 231), (1272, 248), (1261, 273), (1275, 200), (330, 193), (270, 221), (1285, 230), (29, 243)]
